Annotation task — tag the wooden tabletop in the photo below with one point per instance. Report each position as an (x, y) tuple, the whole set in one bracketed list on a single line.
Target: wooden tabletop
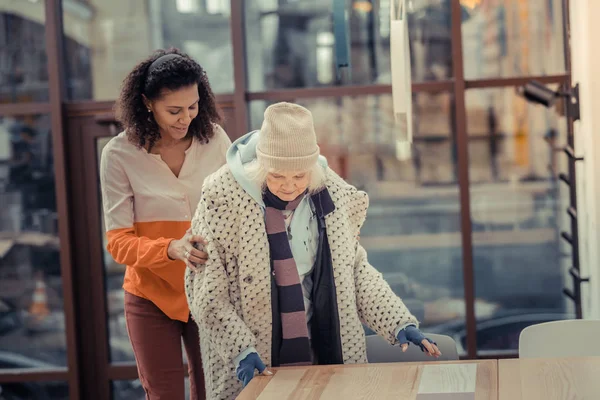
[(372, 381), (549, 379)]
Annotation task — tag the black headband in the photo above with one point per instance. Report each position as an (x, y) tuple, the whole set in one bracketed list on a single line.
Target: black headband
[(161, 60)]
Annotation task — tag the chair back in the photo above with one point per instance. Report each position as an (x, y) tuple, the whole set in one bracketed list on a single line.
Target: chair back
[(380, 351), (568, 338)]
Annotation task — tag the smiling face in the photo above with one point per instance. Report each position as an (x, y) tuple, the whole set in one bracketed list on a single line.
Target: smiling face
[(288, 185), (174, 111)]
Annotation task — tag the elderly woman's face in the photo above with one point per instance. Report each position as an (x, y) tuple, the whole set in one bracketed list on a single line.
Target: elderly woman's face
[(288, 185)]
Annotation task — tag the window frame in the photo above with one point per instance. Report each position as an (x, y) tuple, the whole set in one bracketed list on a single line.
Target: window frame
[(87, 358)]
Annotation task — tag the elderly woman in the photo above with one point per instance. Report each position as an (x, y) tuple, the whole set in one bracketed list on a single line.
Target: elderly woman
[(286, 281)]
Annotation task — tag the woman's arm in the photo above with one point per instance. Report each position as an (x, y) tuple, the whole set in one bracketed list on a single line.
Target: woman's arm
[(378, 306), (117, 201), (207, 293)]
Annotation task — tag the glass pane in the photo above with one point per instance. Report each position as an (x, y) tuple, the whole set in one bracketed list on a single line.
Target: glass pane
[(290, 43), (518, 208), (412, 233), (34, 390), (104, 39), (133, 390), (506, 38), (32, 326), (23, 73), (128, 390)]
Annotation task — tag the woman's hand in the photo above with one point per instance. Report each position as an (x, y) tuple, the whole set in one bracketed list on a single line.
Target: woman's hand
[(245, 371), (413, 335), (185, 249)]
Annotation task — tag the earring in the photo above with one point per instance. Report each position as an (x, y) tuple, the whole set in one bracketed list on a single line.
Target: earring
[(149, 110)]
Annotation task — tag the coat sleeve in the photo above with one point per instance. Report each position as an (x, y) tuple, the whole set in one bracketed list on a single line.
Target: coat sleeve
[(207, 292), (378, 306)]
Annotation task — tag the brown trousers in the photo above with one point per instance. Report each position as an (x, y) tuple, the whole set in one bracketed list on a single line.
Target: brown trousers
[(156, 341)]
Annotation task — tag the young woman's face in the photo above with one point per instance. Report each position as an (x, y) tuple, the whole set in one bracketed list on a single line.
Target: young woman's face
[(288, 185), (174, 111)]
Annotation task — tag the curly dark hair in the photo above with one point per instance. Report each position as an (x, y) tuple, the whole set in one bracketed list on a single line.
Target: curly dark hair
[(142, 130)]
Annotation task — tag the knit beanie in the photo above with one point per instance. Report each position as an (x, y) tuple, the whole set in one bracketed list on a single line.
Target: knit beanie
[(287, 140)]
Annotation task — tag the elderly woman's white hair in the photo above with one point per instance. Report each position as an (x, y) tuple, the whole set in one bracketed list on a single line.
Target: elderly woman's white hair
[(258, 174)]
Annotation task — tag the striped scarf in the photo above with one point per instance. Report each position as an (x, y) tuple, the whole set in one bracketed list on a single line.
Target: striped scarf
[(295, 345)]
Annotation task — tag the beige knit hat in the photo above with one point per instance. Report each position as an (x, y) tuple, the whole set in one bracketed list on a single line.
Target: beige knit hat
[(287, 140)]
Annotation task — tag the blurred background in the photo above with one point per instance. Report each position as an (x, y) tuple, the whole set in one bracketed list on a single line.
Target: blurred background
[(465, 228)]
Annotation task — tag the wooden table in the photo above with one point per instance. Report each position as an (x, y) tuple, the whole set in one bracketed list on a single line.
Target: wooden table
[(398, 381), (549, 379)]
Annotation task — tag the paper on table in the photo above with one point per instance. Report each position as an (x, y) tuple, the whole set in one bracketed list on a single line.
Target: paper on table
[(448, 382)]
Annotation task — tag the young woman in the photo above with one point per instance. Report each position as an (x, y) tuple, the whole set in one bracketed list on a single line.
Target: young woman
[(151, 177)]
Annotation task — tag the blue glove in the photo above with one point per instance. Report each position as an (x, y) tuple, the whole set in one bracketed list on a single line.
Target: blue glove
[(245, 371), (415, 336)]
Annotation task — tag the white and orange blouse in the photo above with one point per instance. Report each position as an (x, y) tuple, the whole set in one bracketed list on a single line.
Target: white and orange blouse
[(146, 206)]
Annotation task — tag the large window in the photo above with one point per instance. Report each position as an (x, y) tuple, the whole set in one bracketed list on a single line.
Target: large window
[(465, 224), (290, 44), (110, 36), (507, 38), (517, 212), (32, 320), (23, 75)]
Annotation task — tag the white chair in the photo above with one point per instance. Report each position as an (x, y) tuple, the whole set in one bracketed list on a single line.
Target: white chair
[(380, 351), (569, 338)]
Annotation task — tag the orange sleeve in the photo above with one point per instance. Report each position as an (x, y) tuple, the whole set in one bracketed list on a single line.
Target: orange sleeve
[(117, 202), (138, 252)]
